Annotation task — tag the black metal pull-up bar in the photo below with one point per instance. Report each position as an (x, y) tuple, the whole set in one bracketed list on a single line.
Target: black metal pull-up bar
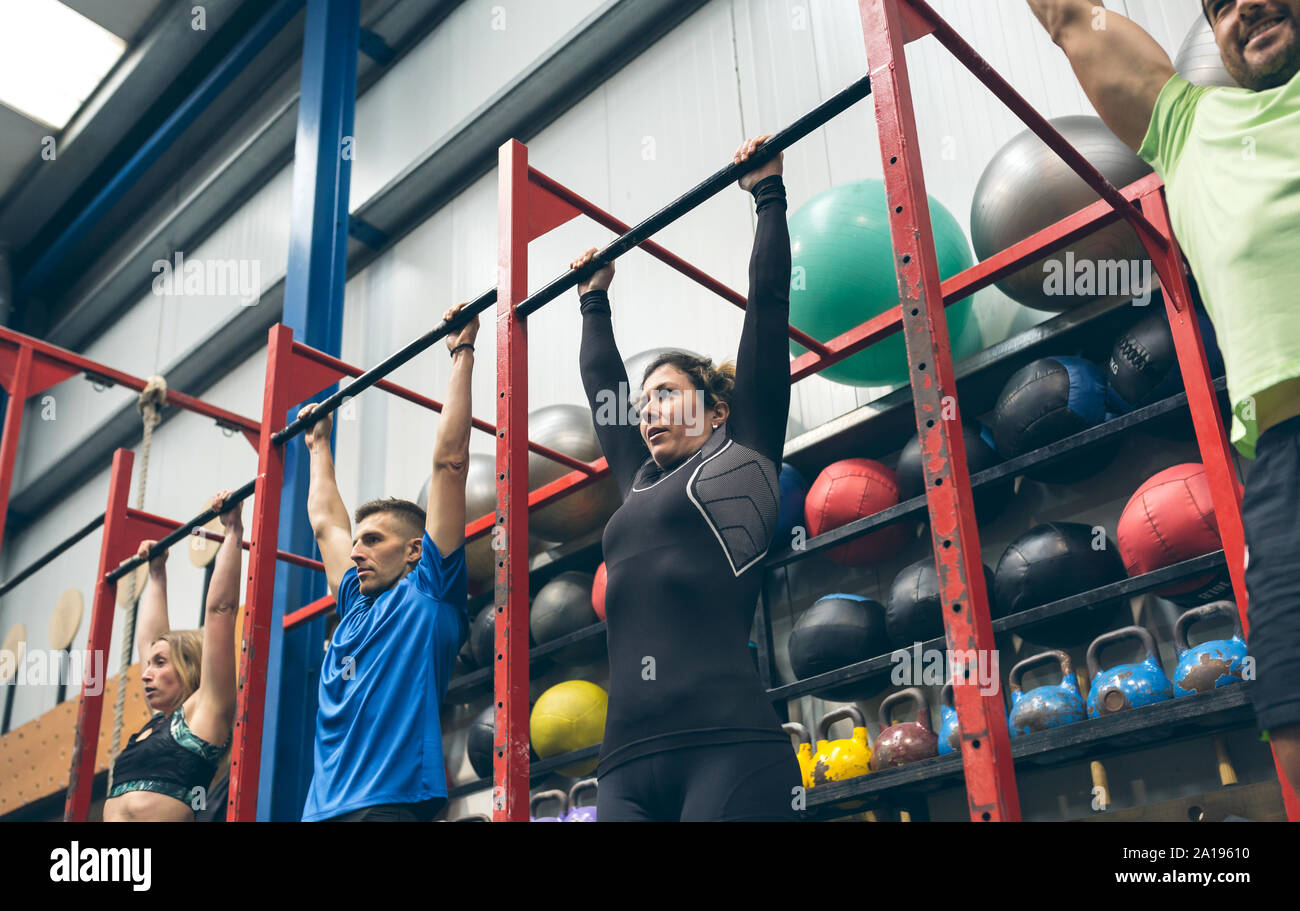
[(236, 497), (710, 187), (702, 192), (45, 559)]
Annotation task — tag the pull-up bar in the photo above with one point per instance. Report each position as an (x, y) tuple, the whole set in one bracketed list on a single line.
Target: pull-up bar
[(385, 367), (633, 237), (48, 557), (181, 532), (702, 192)]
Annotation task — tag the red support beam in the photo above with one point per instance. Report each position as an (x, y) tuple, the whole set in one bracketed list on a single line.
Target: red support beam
[(1052, 238), (246, 746), (62, 358), (917, 11), (986, 744), (17, 388), (309, 612), (516, 221), (122, 535)]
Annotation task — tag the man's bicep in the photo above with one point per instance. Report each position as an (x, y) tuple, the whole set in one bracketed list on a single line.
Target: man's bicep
[(1122, 70)]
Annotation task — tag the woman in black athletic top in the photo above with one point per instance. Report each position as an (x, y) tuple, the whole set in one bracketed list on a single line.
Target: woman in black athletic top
[(690, 733), (189, 684)]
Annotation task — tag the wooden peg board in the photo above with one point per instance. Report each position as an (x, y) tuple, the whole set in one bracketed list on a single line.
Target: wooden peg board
[(35, 758)]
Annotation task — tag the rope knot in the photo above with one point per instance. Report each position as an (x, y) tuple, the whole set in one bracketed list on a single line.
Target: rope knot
[(152, 399)]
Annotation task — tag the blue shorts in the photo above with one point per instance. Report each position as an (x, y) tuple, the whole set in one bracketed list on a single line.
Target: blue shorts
[(1270, 511)]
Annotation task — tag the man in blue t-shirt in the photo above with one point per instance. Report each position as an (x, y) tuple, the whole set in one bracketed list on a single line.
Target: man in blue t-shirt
[(400, 584)]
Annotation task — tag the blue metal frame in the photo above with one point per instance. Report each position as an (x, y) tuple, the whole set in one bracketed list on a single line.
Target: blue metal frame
[(313, 308), (213, 85)]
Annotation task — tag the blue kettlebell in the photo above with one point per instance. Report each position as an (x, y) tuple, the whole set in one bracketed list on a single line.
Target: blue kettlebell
[(1045, 706), (576, 813), (547, 795), (1212, 664), (1126, 686), (949, 730)]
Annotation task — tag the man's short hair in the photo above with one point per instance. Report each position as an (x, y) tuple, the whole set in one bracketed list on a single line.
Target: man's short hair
[(404, 512)]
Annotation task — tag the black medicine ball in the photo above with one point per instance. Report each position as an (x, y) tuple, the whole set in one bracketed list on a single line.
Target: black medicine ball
[(1046, 401), (1143, 369), (482, 636), (478, 742), (836, 631), (1054, 561), (980, 455), (914, 613)]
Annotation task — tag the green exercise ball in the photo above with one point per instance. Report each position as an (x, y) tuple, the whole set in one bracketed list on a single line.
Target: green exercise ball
[(844, 275)]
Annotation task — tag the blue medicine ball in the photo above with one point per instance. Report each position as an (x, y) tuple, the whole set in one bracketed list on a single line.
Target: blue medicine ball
[(1048, 400)]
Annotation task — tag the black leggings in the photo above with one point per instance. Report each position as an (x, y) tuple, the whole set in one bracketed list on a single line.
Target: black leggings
[(395, 812), (734, 782)]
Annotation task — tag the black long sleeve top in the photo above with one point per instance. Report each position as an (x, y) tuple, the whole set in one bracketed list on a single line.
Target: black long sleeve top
[(684, 551)]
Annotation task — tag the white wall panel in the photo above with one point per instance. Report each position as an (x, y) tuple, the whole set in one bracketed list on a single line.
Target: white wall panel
[(156, 332), (479, 49)]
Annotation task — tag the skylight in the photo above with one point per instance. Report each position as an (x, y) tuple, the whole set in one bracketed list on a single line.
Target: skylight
[(51, 59)]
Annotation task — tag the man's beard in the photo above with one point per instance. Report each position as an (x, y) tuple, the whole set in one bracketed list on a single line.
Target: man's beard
[(1276, 72)]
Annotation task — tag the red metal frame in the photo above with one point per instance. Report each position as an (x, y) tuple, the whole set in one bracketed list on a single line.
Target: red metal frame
[(888, 25), (986, 744), (531, 203)]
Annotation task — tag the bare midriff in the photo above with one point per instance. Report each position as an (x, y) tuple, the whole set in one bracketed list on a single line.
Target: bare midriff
[(146, 806)]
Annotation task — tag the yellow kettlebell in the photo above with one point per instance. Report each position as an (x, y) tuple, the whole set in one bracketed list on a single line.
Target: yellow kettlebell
[(804, 752), (837, 760)]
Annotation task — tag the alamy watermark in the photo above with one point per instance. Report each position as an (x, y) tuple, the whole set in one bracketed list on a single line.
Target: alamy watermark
[(1089, 278), (621, 407), (180, 277), (42, 667), (75, 864), (935, 667)]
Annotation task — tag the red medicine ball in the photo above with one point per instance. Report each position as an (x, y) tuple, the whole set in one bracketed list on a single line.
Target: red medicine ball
[(598, 592), (853, 489), (1170, 519)]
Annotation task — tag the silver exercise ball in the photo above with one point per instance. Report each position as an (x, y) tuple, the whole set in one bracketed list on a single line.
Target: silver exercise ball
[(568, 429), (480, 499), (1198, 59), (1027, 187)]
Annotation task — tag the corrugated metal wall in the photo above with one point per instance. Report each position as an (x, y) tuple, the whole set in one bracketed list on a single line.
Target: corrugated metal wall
[(670, 117)]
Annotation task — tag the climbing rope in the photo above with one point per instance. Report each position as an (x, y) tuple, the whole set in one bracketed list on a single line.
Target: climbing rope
[(150, 404)]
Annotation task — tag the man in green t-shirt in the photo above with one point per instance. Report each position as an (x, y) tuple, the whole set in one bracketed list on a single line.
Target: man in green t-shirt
[(1229, 160)]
